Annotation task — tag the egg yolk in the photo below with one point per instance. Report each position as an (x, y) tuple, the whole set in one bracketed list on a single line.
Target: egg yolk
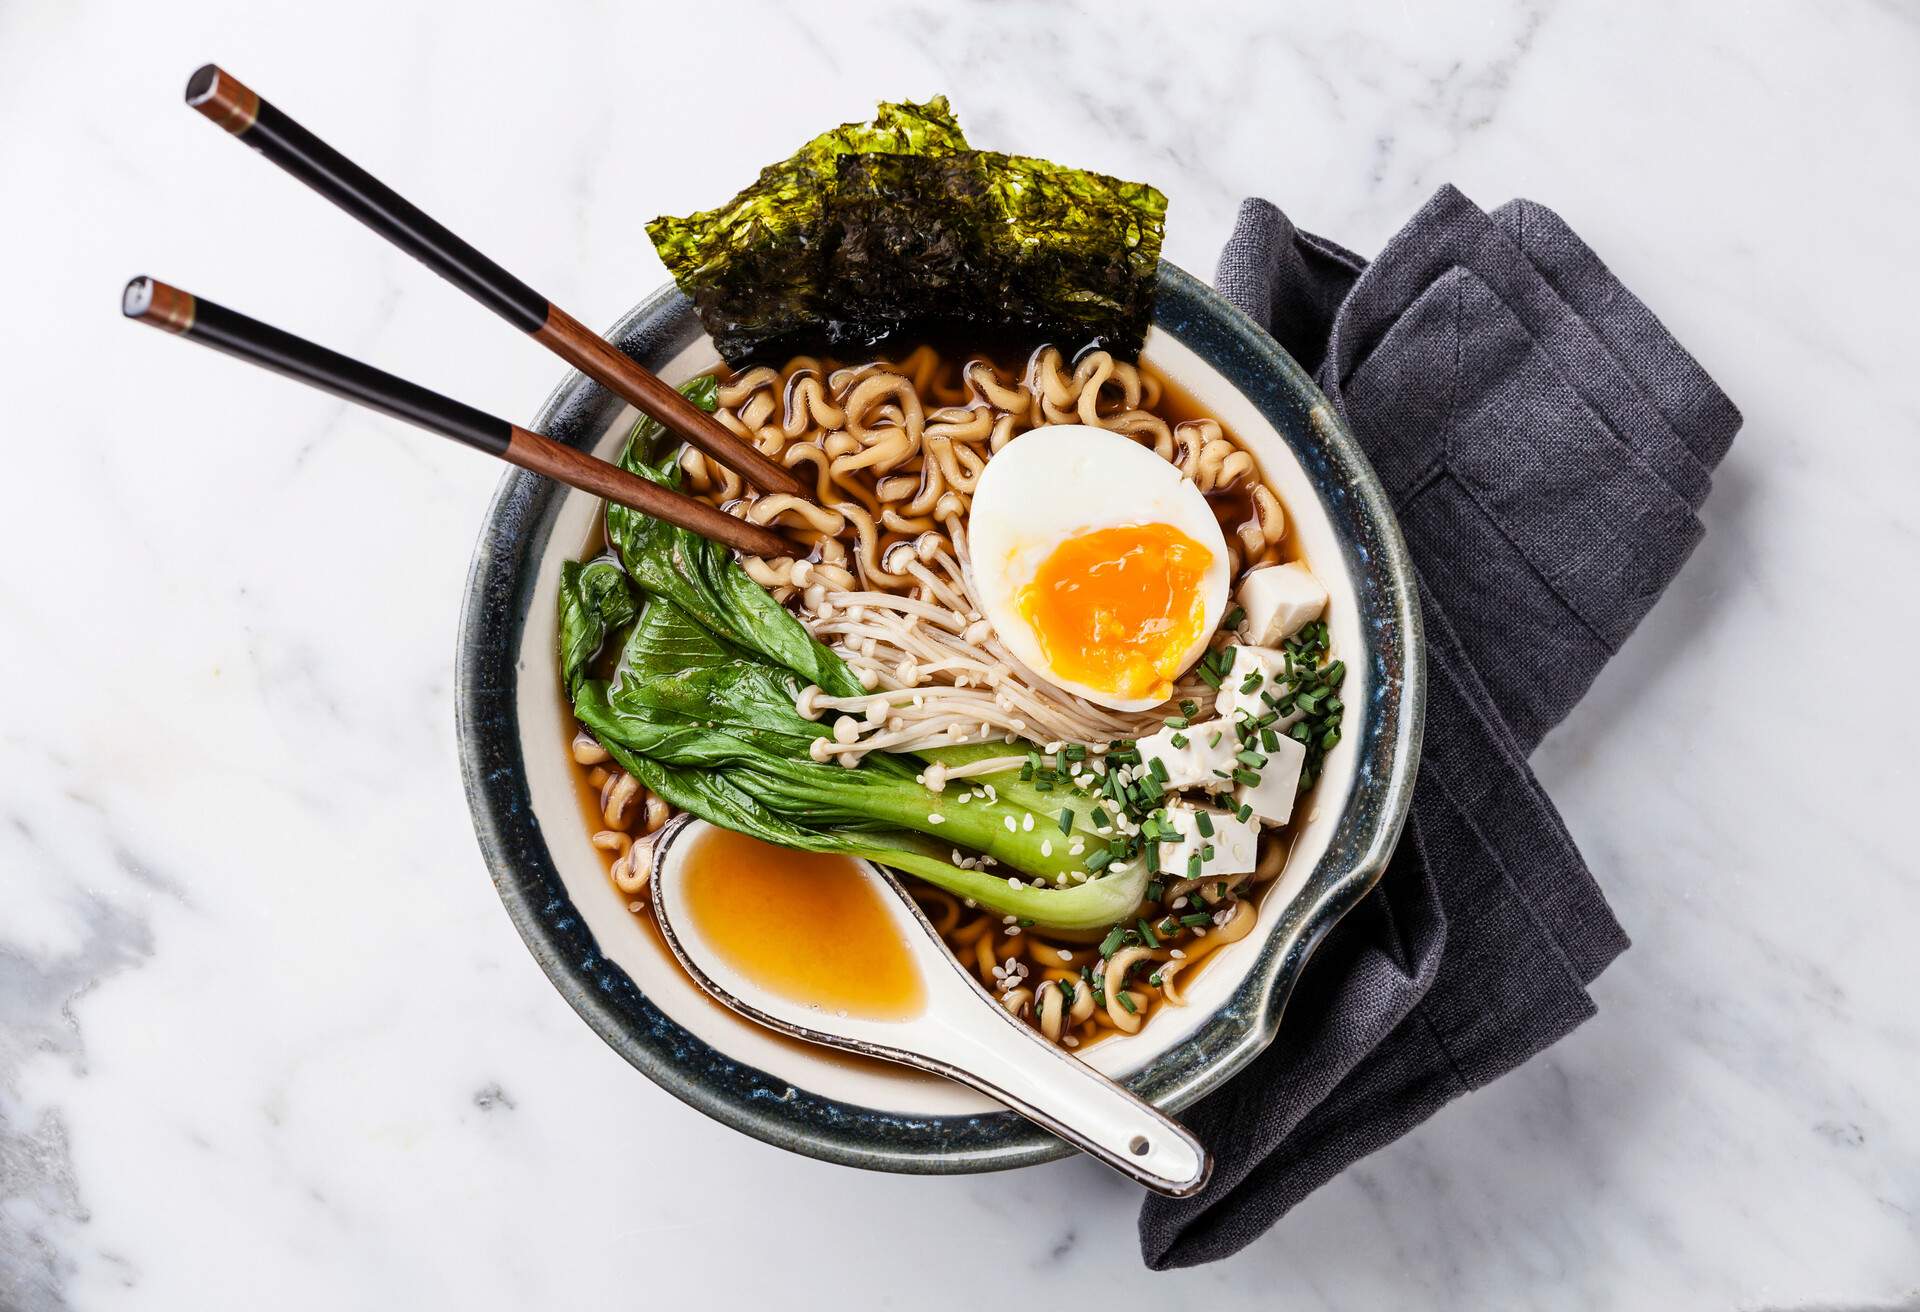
[(1116, 608)]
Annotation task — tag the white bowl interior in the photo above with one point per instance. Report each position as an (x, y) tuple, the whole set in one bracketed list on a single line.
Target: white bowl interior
[(547, 727)]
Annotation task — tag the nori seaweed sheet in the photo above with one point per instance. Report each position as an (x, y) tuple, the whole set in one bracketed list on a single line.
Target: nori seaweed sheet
[(896, 229)]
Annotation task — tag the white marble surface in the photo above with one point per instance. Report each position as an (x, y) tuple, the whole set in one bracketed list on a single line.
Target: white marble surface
[(266, 1036)]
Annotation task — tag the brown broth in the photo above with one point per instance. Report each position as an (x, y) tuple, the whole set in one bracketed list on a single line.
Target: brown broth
[(808, 926)]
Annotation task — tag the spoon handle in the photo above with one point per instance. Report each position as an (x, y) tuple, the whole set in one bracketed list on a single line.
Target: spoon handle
[(1065, 1096)]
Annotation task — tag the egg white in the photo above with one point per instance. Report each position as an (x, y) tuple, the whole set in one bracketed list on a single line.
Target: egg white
[(1058, 482)]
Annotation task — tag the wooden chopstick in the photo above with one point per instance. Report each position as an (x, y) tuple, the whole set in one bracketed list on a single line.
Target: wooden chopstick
[(229, 103), (227, 330)]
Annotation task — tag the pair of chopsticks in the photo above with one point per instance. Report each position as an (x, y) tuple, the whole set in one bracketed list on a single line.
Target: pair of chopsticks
[(241, 112)]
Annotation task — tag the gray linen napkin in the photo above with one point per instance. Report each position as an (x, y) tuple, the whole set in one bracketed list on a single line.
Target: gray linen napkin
[(1546, 443)]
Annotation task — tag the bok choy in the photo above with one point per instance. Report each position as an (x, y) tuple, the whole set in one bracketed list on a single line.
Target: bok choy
[(700, 707)]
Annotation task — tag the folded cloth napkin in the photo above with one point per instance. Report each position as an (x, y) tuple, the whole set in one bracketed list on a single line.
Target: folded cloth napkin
[(1546, 444)]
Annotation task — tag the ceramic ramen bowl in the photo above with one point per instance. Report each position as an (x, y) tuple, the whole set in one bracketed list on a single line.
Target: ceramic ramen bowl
[(515, 727)]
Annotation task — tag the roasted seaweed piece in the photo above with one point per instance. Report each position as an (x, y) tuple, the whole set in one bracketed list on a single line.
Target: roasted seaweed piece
[(1003, 245), (754, 266), (896, 229)]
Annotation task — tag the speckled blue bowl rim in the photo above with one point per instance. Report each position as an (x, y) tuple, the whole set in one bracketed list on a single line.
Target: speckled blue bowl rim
[(500, 587)]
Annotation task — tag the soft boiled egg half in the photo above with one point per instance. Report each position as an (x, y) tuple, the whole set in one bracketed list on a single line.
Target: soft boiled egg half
[(1098, 565)]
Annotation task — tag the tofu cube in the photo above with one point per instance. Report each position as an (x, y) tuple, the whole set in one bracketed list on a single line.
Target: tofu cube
[(1202, 750), (1236, 697), (1279, 600), (1234, 844), (1272, 798)]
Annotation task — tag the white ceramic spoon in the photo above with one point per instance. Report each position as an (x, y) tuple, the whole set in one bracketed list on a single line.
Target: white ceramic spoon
[(961, 1033)]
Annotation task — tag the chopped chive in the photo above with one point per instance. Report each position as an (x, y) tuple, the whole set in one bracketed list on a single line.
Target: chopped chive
[(1235, 618), (1127, 1002), (1244, 814), (1189, 707), (1196, 920), (1076, 751), (1270, 740), (1207, 675), (1251, 759), (1158, 768), (1154, 979), (1223, 774), (1220, 889), (1153, 858), (1026, 923), (1155, 891), (1206, 852), (1043, 785), (1098, 858), (1146, 933), (1111, 943), (1253, 680), (1178, 740), (1193, 866), (1204, 823), (1215, 740), (1178, 722), (1101, 819), (1066, 819), (1246, 776)]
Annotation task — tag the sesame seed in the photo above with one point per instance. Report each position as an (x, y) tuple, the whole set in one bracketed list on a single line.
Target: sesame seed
[(1011, 826), (1177, 955), (1079, 846), (1026, 822), (1065, 955), (1046, 847), (936, 819)]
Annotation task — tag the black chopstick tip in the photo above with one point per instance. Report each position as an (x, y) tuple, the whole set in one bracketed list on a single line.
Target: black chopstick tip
[(137, 299), (224, 98), (201, 84), (147, 300)]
